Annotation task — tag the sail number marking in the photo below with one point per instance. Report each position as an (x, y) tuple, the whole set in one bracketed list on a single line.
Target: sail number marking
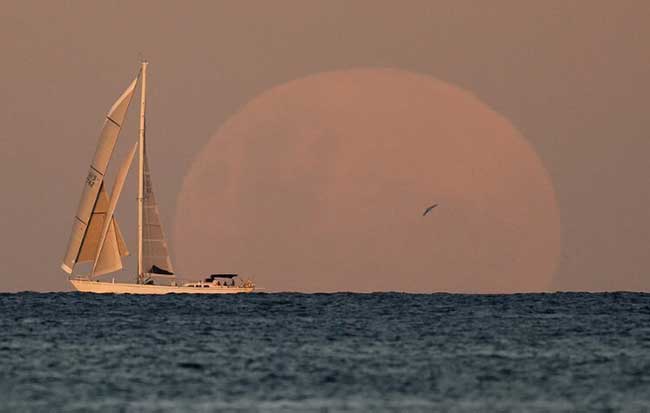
[(91, 179)]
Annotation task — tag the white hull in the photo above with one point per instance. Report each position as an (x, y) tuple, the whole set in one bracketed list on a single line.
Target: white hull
[(99, 287)]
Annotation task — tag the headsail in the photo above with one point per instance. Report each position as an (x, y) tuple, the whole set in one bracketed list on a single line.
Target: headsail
[(155, 254), (104, 264), (108, 259), (94, 180), (90, 243)]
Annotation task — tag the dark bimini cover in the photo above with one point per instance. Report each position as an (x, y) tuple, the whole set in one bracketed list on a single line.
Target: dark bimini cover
[(213, 276), (157, 270)]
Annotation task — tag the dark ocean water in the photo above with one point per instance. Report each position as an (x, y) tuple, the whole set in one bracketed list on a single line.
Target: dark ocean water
[(325, 352)]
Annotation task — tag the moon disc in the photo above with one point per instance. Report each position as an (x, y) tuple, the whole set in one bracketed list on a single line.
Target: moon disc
[(319, 184)]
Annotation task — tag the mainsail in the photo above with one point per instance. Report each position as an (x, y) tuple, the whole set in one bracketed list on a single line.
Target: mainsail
[(94, 185), (155, 254)]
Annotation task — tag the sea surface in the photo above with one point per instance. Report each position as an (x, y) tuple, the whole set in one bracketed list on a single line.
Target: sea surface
[(325, 352)]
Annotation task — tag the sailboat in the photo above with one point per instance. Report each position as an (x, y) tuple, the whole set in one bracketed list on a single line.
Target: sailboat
[(96, 237)]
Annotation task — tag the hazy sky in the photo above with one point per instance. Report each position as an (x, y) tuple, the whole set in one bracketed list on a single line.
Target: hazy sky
[(572, 77)]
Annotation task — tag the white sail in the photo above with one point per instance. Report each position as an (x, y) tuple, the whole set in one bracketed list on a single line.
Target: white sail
[(96, 236), (154, 244), (94, 180), (108, 263), (90, 244), (108, 259)]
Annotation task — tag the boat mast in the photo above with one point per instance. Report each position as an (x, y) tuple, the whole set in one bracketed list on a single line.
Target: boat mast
[(143, 89)]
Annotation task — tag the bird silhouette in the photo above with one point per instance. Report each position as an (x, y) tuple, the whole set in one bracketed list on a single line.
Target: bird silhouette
[(426, 211)]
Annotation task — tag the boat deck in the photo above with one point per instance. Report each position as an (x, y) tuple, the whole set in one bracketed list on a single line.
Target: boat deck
[(100, 287)]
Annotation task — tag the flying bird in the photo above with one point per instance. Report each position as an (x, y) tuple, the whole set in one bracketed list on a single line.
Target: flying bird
[(426, 211)]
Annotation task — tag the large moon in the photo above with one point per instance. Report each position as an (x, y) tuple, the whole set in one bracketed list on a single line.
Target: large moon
[(320, 184)]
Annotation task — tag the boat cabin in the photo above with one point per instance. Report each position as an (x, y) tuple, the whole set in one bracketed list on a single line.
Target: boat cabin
[(216, 280)]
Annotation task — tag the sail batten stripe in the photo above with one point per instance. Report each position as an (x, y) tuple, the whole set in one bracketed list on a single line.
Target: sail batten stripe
[(113, 121), (95, 169), (86, 223)]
